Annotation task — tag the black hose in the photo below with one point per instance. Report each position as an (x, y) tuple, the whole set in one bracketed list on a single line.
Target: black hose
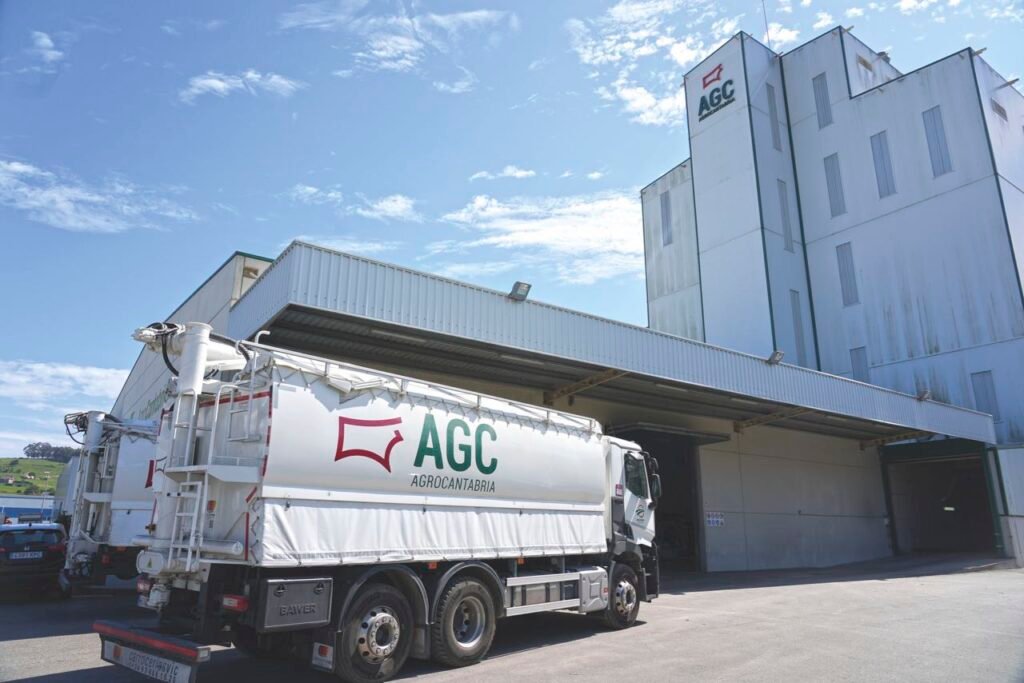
[(167, 360)]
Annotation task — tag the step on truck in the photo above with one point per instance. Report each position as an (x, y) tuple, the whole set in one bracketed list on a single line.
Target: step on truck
[(351, 518)]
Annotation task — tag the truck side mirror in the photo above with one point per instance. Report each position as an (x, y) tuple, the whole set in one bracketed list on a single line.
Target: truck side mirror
[(655, 487)]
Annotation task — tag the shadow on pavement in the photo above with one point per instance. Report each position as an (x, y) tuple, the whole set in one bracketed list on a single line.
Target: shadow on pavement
[(904, 566), (22, 618)]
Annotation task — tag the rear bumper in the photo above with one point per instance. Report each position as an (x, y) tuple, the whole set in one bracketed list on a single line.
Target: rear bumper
[(155, 655)]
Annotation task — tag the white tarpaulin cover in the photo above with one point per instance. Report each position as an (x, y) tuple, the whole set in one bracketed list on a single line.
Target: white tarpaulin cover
[(318, 532), (369, 467)]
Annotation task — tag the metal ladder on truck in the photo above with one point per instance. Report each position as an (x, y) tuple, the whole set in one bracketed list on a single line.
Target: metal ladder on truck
[(191, 495), (187, 526)]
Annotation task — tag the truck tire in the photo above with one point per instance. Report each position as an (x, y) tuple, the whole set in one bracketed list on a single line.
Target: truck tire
[(377, 635), (623, 598), (465, 626)]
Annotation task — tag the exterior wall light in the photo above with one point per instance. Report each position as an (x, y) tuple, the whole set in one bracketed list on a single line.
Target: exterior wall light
[(520, 290), (775, 358)]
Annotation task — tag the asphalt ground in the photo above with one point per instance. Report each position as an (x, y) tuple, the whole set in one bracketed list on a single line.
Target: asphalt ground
[(917, 619)]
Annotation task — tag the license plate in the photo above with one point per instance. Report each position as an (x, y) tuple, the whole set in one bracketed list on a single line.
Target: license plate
[(37, 555), (153, 666)]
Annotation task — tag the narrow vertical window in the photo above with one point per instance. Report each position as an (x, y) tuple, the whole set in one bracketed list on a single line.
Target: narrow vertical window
[(787, 227), (666, 219), (834, 183), (847, 274), (859, 364), (822, 103), (798, 327), (938, 149), (773, 117), (883, 165), (985, 394), (1000, 110)]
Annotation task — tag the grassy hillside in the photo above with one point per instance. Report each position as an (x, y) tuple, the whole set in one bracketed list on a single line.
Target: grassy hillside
[(44, 471)]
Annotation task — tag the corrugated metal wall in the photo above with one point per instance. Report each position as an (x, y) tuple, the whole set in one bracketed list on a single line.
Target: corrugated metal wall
[(311, 276)]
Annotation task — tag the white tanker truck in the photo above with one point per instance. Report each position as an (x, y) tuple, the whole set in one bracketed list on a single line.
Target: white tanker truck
[(108, 497), (353, 518)]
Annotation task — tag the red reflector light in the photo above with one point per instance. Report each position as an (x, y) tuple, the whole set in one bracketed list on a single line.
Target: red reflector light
[(57, 548), (234, 603), (322, 650), (104, 559)]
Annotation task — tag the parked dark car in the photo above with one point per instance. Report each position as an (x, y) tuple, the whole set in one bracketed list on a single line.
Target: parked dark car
[(31, 557)]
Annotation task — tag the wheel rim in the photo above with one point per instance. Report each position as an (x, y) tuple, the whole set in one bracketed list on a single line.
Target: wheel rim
[(469, 621), (378, 634), (625, 598)]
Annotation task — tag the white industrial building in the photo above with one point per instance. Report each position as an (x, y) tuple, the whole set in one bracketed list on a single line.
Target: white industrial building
[(870, 224), (764, 465)]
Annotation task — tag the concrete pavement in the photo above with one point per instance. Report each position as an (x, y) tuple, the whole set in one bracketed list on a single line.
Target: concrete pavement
[(898, 620)]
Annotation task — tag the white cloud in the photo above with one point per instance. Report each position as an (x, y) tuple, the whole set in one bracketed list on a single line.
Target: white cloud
[(780, 36), (343, 73), (912, 6), (584, 237), (462, 85), (44, 48), (469, 270), (635, 48), (538, 64), (397, 42), (725, 27), (595, 175), (310, 194), (824, 21), (392, 207), (390, 52), (785, 6), (351, 244), (251, 81), (510, 171), (69, 204), (1005, 10), (566, 174), (854, 12), (30, 381)]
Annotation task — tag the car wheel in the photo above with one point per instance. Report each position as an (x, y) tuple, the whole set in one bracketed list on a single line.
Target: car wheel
[(623, 598), (377, 635), (466, 623)]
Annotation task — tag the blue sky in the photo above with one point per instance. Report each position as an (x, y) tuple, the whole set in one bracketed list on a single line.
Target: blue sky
[(142, 143)]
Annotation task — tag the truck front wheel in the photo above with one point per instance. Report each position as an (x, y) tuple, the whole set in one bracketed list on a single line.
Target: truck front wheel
[(623, 598), (465, 626), (377, 635)]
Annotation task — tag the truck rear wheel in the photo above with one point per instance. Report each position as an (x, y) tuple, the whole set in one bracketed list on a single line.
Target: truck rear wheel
[(465, 626), (624, 598), (377, 635)]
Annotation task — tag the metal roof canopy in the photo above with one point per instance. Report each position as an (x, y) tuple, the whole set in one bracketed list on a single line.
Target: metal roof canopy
[(338, 305)]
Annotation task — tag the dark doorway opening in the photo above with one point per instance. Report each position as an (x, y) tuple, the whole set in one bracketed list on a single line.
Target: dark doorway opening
[(940, 501), (677, 518)]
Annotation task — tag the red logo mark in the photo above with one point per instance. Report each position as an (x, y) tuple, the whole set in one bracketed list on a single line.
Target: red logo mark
[(712, 76), (384, 460)]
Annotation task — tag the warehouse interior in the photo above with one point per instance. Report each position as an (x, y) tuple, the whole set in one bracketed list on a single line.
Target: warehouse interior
[(940, 498)]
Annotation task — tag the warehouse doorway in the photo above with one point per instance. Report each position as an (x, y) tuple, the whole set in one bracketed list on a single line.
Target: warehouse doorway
[(940, 498), (677, 525)]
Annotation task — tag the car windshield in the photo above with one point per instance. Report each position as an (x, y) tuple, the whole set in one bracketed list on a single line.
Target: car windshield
[(20, 537)]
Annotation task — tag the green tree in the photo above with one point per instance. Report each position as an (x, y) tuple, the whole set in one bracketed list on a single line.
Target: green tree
[(45, 451)]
